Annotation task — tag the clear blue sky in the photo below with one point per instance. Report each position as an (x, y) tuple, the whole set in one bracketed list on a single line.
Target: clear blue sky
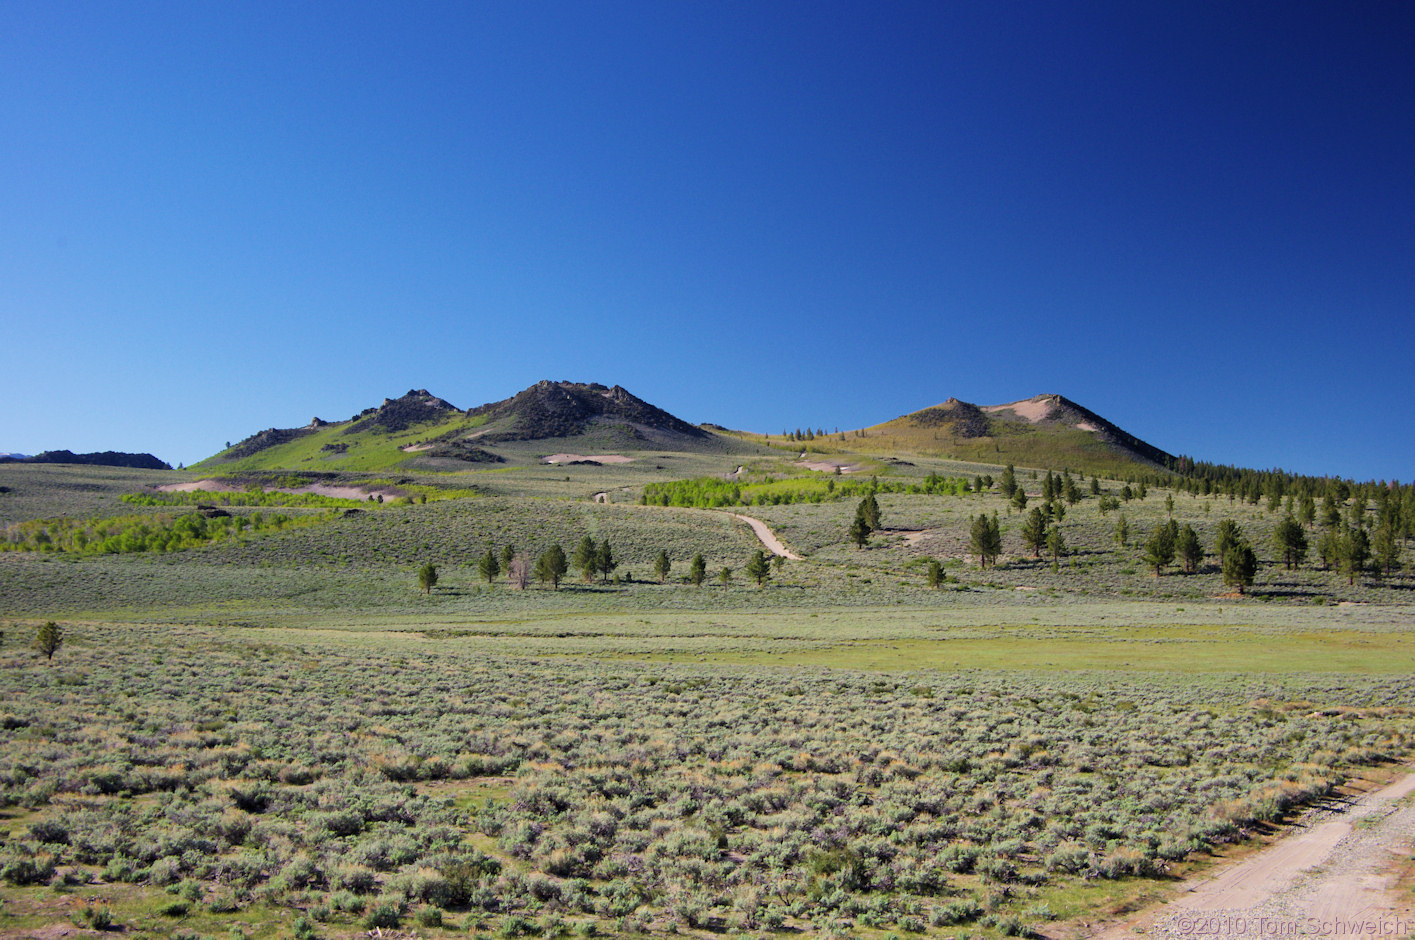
[(1197, 219)]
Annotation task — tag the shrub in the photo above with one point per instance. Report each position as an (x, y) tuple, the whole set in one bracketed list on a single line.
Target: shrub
[(386, 913)]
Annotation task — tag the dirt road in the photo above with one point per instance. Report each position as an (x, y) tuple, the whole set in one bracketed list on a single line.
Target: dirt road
[(768, 537), (1330, 879)]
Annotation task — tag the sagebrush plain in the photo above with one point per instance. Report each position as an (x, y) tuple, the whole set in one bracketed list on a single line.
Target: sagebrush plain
[(269, 729)]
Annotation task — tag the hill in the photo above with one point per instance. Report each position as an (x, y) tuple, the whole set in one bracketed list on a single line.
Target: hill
[(421, 431), (568, 409), (107, 458), (1042, 431)]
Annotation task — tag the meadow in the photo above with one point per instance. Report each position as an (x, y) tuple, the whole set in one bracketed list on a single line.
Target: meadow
[(280, 734)]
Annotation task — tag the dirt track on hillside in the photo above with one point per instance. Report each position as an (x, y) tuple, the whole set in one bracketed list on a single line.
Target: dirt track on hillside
[(1333, 877), (768, 537)]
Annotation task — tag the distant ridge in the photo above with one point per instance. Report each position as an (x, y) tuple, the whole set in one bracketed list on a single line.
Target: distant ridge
[(107, 458), (422, 431)]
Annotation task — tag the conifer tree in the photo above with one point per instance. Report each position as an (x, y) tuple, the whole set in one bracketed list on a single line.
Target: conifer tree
[(1290, 541), (427, 577), (859, 531), (933, 573), (586, 558), (1229, 534), (1385, 546), (1008, 482), (49, 638), (551, 566), (697, 570), (1356, 552), (1034, 532), (489, 567), (1240, 566), (869, 511), (661, 566), (1159, 548), (986, 538), (604, 560), (1191, 550), (1056, 544), (758, 568)]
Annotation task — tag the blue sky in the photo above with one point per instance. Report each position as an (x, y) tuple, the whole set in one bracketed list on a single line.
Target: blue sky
[(1197, 219)]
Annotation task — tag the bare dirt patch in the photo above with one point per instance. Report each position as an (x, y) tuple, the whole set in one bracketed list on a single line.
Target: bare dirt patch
[(317, 489), (829, 466), (1033, 410), (597, 458)]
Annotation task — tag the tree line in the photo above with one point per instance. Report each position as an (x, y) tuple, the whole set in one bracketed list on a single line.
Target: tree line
[(591, 561)]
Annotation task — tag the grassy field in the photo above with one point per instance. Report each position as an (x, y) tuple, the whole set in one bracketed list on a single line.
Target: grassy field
[(279, 734)]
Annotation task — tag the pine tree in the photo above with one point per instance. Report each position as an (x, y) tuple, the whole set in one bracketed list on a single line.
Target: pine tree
[(859, 531), (1331, 512), (488, 566), (1159, 548), (724, 576), (1034, 532), (551, 566), (1330, 548), (1240, 566), (49, 638), (1008, 481), (661, 566), (697, 570), (1356, 552), (1122, 531), (1019, 499), (869, 510), (1056, 544), (508, 555), (604, 560), (933, 573), (427, 577), (758, 568), (1190, 549), (586, 558), (1229, 534), (1385, 546), (1290, 541), (1307, 511), (986, 537)]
